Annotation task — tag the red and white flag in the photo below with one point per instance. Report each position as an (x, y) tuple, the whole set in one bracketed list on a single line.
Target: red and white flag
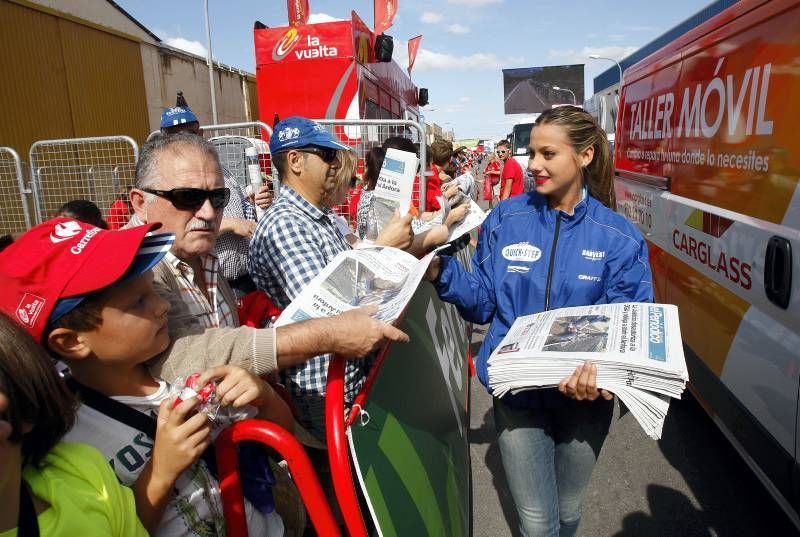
[(385, 10), (413, 47), (298, 12)]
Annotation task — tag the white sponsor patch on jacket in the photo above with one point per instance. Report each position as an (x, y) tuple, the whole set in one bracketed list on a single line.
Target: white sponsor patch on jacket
[(586, 277), (517, 268), (522, 251), (593, 255)]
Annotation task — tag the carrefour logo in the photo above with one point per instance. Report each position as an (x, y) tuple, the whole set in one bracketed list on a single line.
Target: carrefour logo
[(285, 45)]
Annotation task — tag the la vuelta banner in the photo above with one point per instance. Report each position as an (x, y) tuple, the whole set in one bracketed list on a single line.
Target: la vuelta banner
[(413, 48), (385, 10), (411, 453), (298, 12)]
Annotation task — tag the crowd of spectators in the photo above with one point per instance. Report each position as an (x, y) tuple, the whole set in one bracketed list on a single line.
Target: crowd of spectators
[(130, 305)]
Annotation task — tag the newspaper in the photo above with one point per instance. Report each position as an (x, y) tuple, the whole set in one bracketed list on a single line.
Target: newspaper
[(637, 348), (379, 275), (474, 218), (393, 190)]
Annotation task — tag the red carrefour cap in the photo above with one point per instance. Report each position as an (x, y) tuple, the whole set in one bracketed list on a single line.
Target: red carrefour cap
[(67, 259)]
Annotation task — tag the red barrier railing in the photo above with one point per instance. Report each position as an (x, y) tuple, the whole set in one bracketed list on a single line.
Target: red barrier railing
[(292, 451), (337, 450)]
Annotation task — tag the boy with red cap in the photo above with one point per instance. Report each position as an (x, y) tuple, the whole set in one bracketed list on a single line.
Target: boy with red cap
[(87, 295)]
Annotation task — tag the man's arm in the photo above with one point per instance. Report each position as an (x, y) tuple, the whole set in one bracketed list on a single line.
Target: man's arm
[(353, 334), (506, 189), (195, 348)]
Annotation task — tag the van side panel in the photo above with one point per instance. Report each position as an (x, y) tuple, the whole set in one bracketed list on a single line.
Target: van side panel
[(715, 123)]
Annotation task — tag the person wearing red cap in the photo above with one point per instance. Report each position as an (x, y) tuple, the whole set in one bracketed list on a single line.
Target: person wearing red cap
[(179, 183), (87, 295)]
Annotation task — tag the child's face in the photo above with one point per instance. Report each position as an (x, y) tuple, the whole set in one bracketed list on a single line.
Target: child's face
[(134, 323)]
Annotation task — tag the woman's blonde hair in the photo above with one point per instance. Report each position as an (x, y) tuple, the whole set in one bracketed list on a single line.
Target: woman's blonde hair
[(582, 132), (349, 161)]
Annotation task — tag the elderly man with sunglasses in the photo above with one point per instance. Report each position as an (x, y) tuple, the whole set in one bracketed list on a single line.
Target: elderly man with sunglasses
[(179, 183)]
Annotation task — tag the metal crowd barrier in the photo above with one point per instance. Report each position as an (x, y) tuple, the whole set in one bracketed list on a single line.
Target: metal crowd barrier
[(99, 169), (302, 472), (15, 214)]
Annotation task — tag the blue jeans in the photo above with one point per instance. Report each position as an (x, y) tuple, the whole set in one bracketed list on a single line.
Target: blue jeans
[(548, 456)]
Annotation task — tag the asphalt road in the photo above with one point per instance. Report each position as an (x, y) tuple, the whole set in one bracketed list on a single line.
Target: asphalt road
[(691, 483)]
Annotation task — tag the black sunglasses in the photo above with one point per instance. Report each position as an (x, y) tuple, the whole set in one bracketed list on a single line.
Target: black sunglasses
[(327, 154), (193, 198)]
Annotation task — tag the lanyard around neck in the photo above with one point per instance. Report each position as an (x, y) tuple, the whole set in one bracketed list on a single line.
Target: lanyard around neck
[(27, 522)]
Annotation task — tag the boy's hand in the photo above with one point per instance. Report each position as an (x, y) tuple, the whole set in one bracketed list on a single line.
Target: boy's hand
[(180, 438), (237, 387)]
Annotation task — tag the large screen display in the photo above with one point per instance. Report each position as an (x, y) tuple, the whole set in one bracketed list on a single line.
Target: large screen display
[(532, 90)]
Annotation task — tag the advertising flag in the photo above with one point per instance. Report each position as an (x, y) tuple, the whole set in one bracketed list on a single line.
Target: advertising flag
[(385, 10), (413, 47), (298, 12)]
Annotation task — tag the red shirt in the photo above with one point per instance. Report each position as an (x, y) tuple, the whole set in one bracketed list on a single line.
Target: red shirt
[(118, 214), (433, 188), (493, 170), (512, 170)]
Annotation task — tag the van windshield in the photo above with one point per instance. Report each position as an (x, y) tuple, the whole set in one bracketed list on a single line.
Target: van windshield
[(522, 138)]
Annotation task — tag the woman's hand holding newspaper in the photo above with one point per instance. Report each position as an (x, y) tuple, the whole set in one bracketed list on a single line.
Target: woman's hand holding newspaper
[(582, 384)]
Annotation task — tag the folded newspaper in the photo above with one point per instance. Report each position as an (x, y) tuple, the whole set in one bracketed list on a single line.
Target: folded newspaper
[(636, 347), (379, 275)]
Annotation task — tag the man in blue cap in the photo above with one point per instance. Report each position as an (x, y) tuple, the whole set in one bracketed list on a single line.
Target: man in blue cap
[(179, 118), (296, 239)]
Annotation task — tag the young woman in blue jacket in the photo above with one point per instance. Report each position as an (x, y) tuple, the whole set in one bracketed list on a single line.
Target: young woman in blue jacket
[(562, 245)]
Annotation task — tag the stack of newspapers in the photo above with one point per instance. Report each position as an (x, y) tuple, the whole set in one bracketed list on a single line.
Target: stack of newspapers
[(636, 347)]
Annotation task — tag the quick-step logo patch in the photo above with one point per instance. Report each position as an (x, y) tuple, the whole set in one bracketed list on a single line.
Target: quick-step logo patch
[(522, 251)]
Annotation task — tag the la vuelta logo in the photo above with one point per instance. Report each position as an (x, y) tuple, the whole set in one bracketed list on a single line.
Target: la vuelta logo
[(286, 44)]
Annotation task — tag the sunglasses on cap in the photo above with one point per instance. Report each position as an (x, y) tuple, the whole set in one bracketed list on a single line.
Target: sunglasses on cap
[(193, 198), (327, 154)]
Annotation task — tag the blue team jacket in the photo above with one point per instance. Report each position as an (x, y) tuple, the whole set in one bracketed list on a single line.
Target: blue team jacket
[(531, 258)]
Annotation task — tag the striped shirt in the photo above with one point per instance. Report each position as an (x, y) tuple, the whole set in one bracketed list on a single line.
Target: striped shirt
[(212, 312)]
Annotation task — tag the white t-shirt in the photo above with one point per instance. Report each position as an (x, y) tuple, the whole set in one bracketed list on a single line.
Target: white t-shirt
[(195, 507)]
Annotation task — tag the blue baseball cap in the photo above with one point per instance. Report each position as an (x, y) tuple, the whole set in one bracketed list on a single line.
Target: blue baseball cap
[(177, 115), (296, 131)]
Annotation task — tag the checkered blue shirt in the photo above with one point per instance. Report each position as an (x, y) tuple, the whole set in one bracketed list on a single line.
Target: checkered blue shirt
[(232, 249), (292, 243)]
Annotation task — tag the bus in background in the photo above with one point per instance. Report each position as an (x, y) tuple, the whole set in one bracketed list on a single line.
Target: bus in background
[(520, 138), (329, 71), (708, 167)]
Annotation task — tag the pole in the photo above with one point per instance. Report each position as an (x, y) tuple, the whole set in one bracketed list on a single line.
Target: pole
[(210, 67)]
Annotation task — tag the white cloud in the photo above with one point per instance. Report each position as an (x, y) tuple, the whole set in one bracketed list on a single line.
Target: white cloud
[(315, 18), (428, 60), (464, 99), (566, 56), (476, 3), (617, 37), (457, 29), (430, 17), (195, 47)]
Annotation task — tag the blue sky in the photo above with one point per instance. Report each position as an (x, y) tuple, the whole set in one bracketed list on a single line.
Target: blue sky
[(465, 43)]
